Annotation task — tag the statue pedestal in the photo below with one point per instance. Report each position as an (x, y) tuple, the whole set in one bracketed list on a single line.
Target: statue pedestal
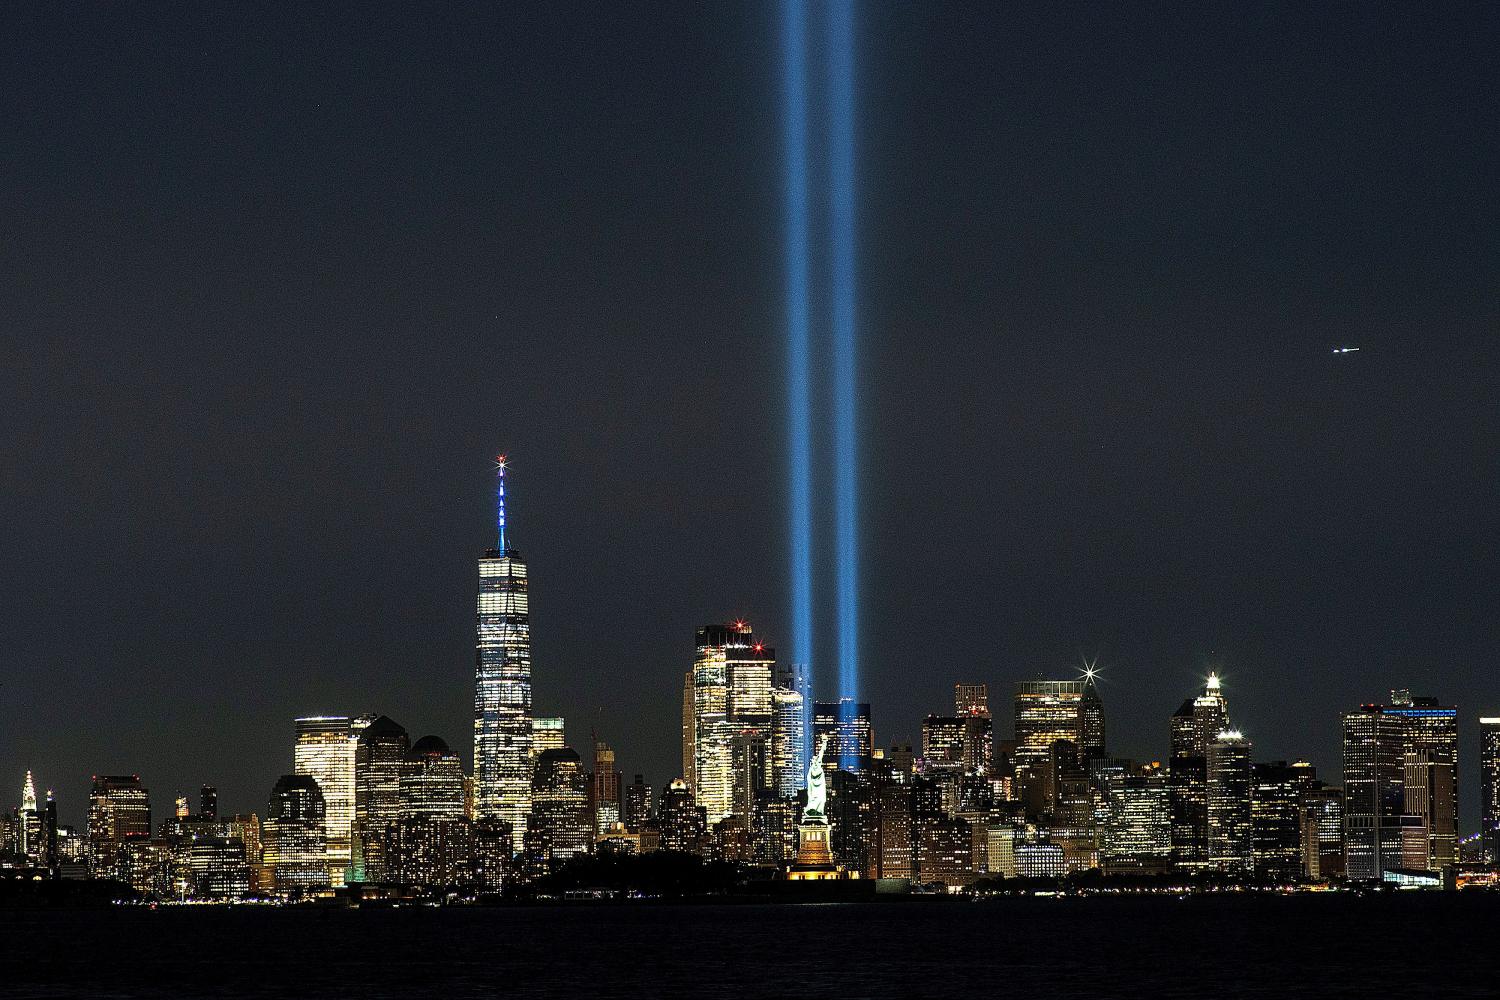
[(814, 859)]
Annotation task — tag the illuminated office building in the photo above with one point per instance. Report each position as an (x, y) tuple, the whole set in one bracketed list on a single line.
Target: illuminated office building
[(788, 742), (502, 689), (432, 781), (431, 843), (1230, 830), (750, 764), (379, 756), (559, 827), (971, 699), (1276, 820), (1432, 734), (217, 868), (1323, 831), (604, 798), (963, 742), (890, 847), (1400, 788), (849, 814), (295, 835), (51, 845), (29, 827), (1040, 859), (547, 733), (208, 802), (1046, 712), (155, 867), (1375, 815), (1489, 776), (119, 812), (1431, 797), (636, 807), (1091, 720), (731, 696), (774, 829), (943, 741), (844, 726), (689, 728), (1194, 727), (324, 751), (246, 828), (945, 852), (682, 822), (493, 857), (1137, 832)]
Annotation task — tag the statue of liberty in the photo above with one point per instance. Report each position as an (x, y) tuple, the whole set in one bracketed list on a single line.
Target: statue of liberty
[(817, 789)]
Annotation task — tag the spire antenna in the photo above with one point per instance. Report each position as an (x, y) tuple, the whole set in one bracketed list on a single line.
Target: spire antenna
[(501, 464)]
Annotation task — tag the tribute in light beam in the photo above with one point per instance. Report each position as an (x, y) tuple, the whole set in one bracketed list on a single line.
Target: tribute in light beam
[(846, 453), (799, 393)]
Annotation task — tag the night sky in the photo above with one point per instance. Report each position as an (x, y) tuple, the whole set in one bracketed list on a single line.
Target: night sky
[(276, 283)]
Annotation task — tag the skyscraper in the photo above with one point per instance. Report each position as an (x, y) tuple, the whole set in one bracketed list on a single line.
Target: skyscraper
[(1432, 734), (29, 829), (731, 696), (547, 733), (604, 798), (1432, 797), (324, 751), (295, 836), (119, 812), (971, 699), (850, 740), (51, 853), (1374, 793), (1489, 771), (1400, 787), (379, 754), (1194, 727), (972, 703), (636, 805), (1322, 831), (689, 728), (1091, 720), (682, 821), (788, 741), (432, 842), (1230, 828), (502, 687), (1046, 712), (559, 827), (1276, 819), (1137, 834), (943, 741)]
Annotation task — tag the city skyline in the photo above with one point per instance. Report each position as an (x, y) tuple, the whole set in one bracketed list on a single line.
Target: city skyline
[(269, 303), (1080, 688), (734, 681)]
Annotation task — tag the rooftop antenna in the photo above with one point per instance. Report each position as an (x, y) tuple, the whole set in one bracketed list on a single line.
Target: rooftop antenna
[(501, 464)]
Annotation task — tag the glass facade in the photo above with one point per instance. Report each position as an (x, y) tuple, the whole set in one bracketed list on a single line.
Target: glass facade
[(502, 693), (730, 698), (324, 751)]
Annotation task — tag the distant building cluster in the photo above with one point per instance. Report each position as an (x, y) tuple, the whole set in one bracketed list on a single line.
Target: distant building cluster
[(368, 812)]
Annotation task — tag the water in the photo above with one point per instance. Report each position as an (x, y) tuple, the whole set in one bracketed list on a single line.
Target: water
[(1411, 945)]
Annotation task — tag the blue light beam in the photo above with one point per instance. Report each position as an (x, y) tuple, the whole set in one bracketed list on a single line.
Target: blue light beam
[(841, 205), (799, 390)]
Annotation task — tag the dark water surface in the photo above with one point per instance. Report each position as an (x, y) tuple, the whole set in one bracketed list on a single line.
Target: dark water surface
[(1408, 945)]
